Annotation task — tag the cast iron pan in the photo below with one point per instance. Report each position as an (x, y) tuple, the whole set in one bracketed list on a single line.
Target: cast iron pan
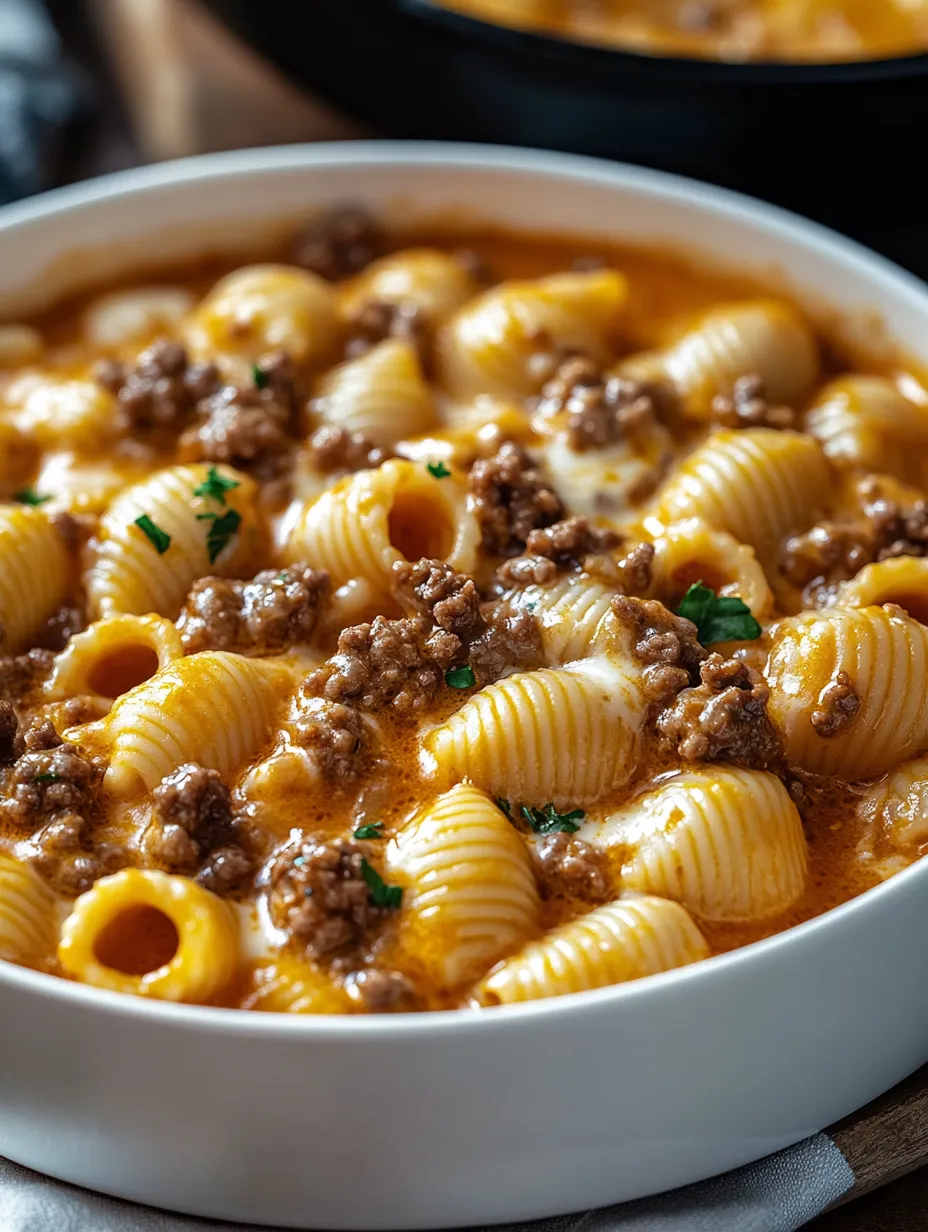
[(842, 143)]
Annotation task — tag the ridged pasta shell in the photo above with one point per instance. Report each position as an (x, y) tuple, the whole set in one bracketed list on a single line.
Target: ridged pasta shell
[(864, 421), (470, 895), (625, 940), (758, 484), (360, 527), (56, 413), (563, 735), (382, 395), (214, 708), (208, 946), (34, 574), (286, 984), (134, 314), (114, 655), (896, 807), (885, 655), (427, 277), (488, 346), (766, 337), (27, 914), (573, 614), (900, 580), (130, 576), (613, 478), (692, 551), (726, 843), (262, 308)]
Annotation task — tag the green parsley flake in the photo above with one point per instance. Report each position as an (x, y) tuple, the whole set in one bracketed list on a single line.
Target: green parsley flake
[(370, 831), (160, 538), (46, 778), (259, 376), (460, 677), (439, 470), (718, 618), (381, 894), (215, 486), (29, 496), (504, 806), (548, 820), (220, 532)]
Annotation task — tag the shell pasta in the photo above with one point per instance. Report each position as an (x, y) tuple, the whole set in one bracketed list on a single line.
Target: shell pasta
[(397, 623)]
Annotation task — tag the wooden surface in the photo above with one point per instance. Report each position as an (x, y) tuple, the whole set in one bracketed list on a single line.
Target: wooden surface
[(208, 93)]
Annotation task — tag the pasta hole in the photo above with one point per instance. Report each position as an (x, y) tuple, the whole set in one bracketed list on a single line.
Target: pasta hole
[(912, 602), (121, 669), (697, 571), (419, 527), (139, 940)]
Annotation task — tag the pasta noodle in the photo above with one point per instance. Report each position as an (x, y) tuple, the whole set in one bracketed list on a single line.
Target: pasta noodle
[(626, 940), (128, 316), (692, 551), (34, 574), (113, 656), (472, 897), (189, 934), (382, 395), (426, 278), (864, 421), (27, 914), (726, 843)]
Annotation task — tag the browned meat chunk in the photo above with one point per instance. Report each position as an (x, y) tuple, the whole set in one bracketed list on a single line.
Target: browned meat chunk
[(333, 450), (240, 426), (667, 645), (9, 727), (748, 407), (383, 992), (378, 320), (64, 853), (600, 410), (432, 588), (724, 718), (395, 663), (318, 894), (511, 499), (277, 609), (193, 830), (838, 707), (161, 388), (334, 735), (569, 542), (338, 244), (568, 866), (47, 778), (511, 639), (20, 674), (635, 569)]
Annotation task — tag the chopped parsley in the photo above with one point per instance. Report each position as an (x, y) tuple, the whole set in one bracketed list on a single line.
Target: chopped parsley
[(370, 831), (548, 820), (221, 529), (439, 470), (718, 618), (460, 677), (504, 806), (215, 486), (259, 376), (380, 894), (160, 538), (29, 496), (46, 778)]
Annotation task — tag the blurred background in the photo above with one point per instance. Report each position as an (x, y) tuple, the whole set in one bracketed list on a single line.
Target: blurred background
[(90, 86)]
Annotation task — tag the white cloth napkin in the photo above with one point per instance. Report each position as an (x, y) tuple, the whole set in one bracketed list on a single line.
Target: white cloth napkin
[(778, 1194)]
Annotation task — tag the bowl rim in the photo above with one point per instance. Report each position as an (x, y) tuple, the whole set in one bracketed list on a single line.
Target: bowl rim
[(589, 55), (780, 224)]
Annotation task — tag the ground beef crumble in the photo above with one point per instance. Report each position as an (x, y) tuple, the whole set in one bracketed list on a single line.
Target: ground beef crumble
[(665, 644), (246, 425), (378, 991), (335, 450), (566, 865), (838, 707), (316, 892), (748, 407), (20, 674), (724, 718), (338, 244), (161, 388), (376, 320), (193, 830), (276, 610), (822, 558), (511, 499), (601, 410), (334, 735), (567, 543)]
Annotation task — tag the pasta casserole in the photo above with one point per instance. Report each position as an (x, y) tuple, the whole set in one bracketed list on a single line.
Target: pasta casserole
[(389, 625)]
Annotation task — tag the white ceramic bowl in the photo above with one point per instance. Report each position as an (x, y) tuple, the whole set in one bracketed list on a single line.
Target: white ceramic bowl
[(447, 1120)]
